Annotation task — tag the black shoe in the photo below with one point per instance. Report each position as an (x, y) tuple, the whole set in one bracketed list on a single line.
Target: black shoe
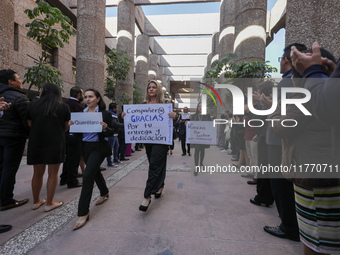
[(5, 228), (253, 201), (189, 154), (16, 203), (234, 159), (117, 162), (276, 231), (184, 154), (75, 185), (138, 149), (62, 182), (252, 181), (124, 159), (102, 168), (158, 195), (132, 151), (144, 208)]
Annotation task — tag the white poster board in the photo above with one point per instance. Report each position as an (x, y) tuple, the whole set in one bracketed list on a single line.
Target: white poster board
[(201, 132), (148, 123), (185, 116), (86, 122)]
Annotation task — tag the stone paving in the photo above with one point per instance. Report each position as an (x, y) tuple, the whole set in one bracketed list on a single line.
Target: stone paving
[(204, 214)]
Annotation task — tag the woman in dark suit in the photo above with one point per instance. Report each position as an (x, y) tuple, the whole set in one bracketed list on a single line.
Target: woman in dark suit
[(199, 148), (156, 153), (95, 149)]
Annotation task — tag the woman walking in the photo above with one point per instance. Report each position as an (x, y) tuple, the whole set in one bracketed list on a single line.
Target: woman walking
[(95, 149), (48, 118), (156, 153)]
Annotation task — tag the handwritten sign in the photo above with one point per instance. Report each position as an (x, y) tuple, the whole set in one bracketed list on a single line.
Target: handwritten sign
[(86, 122), (148, 123), (185, 116), (201, 132)]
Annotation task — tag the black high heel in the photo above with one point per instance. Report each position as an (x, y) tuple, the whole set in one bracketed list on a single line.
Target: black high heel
[(144, 208), (158, 194)]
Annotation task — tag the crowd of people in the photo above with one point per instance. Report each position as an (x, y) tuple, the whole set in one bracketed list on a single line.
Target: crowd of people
[(308, 206)]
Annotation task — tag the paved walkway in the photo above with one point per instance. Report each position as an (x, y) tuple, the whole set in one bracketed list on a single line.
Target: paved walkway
[(204, 214)]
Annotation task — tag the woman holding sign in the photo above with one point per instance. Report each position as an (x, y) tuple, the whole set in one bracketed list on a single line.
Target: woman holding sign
[(199, 148), (95, 149), (156, 153)]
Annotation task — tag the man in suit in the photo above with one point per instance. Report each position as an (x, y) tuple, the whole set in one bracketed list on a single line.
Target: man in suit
[(283, 190), (70, 167), (182, 130), (13, 135)]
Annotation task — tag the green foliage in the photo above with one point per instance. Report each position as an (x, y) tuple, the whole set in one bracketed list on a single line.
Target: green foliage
[(124, 98), (39, 75), (118, 66), (42, 28), (110, 89), (254, 69), (137, 94)]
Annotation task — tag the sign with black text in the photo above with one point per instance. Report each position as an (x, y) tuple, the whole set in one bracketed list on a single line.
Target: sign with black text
[(86, 122), (148, 123), (201, 132)]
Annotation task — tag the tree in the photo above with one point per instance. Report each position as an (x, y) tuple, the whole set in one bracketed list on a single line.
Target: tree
[(118, 66), (50, 28)]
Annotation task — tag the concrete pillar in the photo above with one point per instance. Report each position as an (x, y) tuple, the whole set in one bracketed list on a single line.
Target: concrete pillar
[(250, 30), (226, 46), (7, 34), (160, 71), (227, 28), (125, 42), (215, 46), (313, 20), (153, 67), (91, 44), (142, 66)]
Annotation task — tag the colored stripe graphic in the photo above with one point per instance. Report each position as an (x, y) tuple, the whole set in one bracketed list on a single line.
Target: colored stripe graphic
[(208, 92), (213, 90)]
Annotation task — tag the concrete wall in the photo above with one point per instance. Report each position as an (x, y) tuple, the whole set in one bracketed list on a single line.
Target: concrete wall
[(7, 34)]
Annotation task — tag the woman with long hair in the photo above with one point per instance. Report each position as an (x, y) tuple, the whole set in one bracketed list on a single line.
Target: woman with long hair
[(156, 153), (48, 118), (95, 149)]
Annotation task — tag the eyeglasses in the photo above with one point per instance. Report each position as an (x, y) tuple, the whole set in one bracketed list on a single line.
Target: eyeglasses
[(279, 59)]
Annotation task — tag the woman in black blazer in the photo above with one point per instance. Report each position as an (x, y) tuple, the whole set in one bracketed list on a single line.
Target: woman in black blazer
[(95, 149)]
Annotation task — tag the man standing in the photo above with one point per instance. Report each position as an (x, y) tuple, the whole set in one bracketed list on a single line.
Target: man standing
[(283, 190), (73, 143), (182, 130), (113, 141), (13, 134)]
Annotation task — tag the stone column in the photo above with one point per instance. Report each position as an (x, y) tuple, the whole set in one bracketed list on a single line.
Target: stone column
[(310, 21), (125, 42), (91, 44), (142, 65), (153, 67), (227, 28), (215, 47), (250, 30), (7, 34), (226, 46)]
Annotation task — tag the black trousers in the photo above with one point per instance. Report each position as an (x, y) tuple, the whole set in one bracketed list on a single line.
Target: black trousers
[(11, 150), (156, 154), (199, 155), (182, 138), (93, 159), (283, 192), (73, 154), (263, 188), (122, 148)]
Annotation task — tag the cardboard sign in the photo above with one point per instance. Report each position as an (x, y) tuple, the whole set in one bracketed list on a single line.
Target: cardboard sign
[(201, 132), (86, 122), (148, 123)]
